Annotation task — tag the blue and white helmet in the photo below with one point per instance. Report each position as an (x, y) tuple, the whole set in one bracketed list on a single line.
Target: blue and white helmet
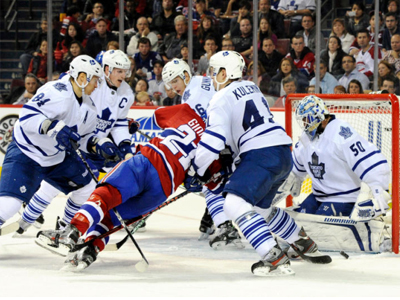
[(310, 113), (85, 64), (176, 67)]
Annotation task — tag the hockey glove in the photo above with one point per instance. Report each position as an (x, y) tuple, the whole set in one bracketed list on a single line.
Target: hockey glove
[(370, 203), (226, 159), (63, 134), (125, 149), (192, 184), (106, 148), (133, 125)]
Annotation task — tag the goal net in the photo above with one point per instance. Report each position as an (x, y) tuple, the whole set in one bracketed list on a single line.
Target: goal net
[(376, 118)]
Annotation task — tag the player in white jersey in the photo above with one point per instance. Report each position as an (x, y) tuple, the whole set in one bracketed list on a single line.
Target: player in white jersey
[(59, 115), (239, 117), (177, 76), (113, 100), (349, 176)]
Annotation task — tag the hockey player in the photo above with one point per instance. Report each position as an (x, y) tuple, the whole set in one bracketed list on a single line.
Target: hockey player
[(349, 175), (60, 113), (113, 101), (141, 183), (239, 117)]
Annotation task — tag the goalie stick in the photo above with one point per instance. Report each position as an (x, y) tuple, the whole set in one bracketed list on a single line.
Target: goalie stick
[(141, 266)]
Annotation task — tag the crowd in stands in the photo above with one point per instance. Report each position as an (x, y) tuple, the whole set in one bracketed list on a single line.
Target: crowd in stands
[(156, 31)]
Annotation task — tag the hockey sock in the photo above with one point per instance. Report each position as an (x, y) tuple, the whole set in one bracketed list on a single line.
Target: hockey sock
[(281, 224), (98, 229), (255, 229), (35, 208), (215, 205), (93, 211), (71, 208)]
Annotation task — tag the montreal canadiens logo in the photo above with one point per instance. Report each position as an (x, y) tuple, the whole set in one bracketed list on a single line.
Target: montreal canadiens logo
[(6, 128)]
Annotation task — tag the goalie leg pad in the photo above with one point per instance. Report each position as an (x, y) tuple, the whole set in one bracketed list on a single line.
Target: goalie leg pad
[(341, 233)]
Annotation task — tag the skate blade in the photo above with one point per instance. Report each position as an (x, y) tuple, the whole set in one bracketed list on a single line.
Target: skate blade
[(45, 243), (283, 270), (37, 225), (203, 236), (68, 267), (223, 245)]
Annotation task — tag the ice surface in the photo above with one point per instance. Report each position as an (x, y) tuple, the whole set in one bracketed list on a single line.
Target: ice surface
[(182, 266)]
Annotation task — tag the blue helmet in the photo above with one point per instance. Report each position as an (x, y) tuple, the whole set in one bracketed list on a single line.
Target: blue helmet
[(310, 113)]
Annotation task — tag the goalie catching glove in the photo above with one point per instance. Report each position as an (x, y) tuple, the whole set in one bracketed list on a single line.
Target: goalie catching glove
[(291, 186), (370, 203)]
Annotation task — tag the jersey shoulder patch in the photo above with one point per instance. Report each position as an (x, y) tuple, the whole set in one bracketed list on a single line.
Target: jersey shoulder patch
[(345, 132)]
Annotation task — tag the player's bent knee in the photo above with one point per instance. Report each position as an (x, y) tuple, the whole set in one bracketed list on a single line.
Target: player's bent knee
[(235, 207), (82, 195), (9, 206), (47, 191)]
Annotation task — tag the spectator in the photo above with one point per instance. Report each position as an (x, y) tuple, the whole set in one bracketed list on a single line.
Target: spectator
[(207, 28), (142, 99), (130, 18), (171, 45), (244, 13), (393, 56), (143, 31), (287, 68), (393, 7), (327, 80), (141, 86), (294, 10), (73, 14), (339, 89), (392, 28), (145, 58), (334, 55), (23, 94), (265, 31), (269, 57), (302, 56), (74, 50), (311, 90), (38, 64), (385, 69), (34, 43), (217, 5), (107, 6), (357, 18), (355, 87), (309, 32), (156, 85), (89, 24), (340, 31), (289, 87), (263, 79), (211, 48), (74, 33), (172, 98), (365, 58), (226, 18), (99, 39), (200, 13), (275, 19), (164, 23), (227, 44), (134, 78), (244, 41), (389, 84), (351, 72)]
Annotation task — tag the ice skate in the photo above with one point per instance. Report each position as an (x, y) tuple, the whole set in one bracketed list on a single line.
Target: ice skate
[(80, 260), (60, 224), (58, 241), (38, 222), (207, 227), (275, 263), (306, 248), (225, 235), (23, 227)]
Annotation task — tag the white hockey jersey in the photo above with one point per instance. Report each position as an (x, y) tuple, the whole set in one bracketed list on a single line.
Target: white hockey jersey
[(112, 108), (238, 116), (337, 161), (55, 101)]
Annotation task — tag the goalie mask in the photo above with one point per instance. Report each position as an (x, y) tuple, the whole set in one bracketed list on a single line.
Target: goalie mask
[(310, 113)]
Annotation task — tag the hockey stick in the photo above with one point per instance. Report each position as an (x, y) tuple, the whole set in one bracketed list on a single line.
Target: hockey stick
[(140, 220), (140, 266), (10, 228), (145, 135)]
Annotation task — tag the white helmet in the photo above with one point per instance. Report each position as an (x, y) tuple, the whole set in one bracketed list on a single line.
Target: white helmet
[(176, 67), (231, 61), (310, 113), (116, 59), (85, 64)]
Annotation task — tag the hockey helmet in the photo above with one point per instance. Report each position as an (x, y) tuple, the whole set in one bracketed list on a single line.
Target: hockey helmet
[(176, 67), (310, 113), (231, 61), (116, 59), (85, 64)]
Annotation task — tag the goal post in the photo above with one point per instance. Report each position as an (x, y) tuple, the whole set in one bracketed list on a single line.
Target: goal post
[(376, 118)]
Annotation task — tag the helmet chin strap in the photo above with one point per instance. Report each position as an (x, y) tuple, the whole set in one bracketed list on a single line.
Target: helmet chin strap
[(220, 83), (82, 86), (108, 77)]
